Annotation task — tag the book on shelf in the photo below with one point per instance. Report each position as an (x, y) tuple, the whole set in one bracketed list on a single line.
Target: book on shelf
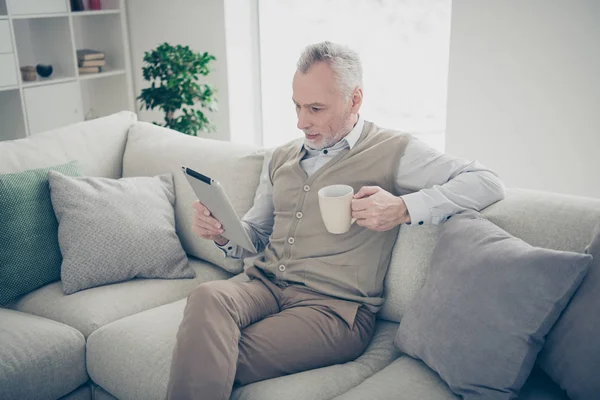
[(89, 54), (92, 63), (89, 70)]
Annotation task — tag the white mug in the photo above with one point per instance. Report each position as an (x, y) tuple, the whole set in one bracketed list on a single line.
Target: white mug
[(335, 202)]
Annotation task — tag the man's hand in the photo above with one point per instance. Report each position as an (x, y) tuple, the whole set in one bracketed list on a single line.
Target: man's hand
[(378, 210), (206, 226)]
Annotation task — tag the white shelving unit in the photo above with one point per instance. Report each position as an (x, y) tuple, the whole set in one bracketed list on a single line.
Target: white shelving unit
[(48, 32)]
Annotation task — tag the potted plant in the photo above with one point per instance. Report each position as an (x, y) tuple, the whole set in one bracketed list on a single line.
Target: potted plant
[(174, 73)]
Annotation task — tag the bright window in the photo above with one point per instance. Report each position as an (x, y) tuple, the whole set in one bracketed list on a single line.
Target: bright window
[(403, 45)]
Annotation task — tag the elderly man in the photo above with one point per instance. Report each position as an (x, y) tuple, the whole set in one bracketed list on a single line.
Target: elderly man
[(312, 296)]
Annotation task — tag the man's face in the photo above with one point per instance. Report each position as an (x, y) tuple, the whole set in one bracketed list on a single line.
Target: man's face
[(324, 115)]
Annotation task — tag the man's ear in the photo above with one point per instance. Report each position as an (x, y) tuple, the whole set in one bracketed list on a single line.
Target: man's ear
[(357, 98)]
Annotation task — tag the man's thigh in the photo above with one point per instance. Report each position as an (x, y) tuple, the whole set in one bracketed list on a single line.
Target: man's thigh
[(299, 339)]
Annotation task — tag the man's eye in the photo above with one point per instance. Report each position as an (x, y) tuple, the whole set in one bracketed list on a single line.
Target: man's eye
[(315, 109)]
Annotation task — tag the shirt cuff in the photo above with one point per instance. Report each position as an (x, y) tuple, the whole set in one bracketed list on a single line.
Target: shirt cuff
[(417, 208), (226, 249)]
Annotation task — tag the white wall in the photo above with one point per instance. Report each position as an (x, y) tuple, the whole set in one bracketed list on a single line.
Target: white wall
[(198, 24), (524, 91)]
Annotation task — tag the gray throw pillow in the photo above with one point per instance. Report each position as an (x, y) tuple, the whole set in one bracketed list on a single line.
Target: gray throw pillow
[(112, 230), (571, 355), (487, 303)]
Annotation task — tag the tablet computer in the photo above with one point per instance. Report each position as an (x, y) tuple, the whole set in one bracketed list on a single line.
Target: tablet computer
[(211, 194)]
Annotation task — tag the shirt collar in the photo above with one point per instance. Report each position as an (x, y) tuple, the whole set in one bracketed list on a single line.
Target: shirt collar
[(350, 139)]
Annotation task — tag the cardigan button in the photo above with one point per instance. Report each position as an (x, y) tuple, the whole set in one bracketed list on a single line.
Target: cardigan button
[(282, 268), (306, 188)]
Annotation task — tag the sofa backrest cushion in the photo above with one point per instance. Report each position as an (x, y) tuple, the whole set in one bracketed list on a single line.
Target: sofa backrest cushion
[(154, 150), (97, 145), (549, 220)]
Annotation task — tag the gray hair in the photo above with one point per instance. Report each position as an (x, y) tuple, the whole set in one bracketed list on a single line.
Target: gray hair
[(344, 62)]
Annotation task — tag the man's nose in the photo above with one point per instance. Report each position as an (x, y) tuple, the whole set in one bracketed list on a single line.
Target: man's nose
[(303, 120)]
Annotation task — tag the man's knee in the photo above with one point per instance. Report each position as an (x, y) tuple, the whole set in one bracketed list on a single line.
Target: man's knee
[(209, 293)]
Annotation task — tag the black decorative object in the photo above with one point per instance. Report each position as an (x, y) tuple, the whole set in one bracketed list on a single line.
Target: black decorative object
[(44, 70), (77, 5)]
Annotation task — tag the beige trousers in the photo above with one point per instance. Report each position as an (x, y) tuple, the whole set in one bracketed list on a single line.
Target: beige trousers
[(235, 333)]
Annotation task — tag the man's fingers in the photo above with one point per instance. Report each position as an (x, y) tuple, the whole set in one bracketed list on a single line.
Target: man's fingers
[(201, 208), (208, 223), (361, 222), (205, 225), (198, 206), (209, 220), (359, 214), (201, 232), (205, 233), (360, 204), (366, 191), (208, 227)]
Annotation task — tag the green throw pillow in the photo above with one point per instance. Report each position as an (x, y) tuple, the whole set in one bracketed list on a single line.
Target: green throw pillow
[(29, 253)]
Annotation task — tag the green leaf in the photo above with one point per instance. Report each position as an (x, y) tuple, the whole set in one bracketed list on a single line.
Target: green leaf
[(173, 73)]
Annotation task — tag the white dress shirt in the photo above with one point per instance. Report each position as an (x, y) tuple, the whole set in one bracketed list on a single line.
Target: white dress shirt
[(433, 185)]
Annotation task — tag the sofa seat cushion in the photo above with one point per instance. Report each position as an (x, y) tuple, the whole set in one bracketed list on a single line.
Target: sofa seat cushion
[(101, 394), (37, 356), (83, 392), (90, 309), (328, 382), (407, 378), (131, 359)]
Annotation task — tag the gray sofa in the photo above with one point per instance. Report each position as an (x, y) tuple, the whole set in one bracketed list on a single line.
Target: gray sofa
[(115, 341)]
